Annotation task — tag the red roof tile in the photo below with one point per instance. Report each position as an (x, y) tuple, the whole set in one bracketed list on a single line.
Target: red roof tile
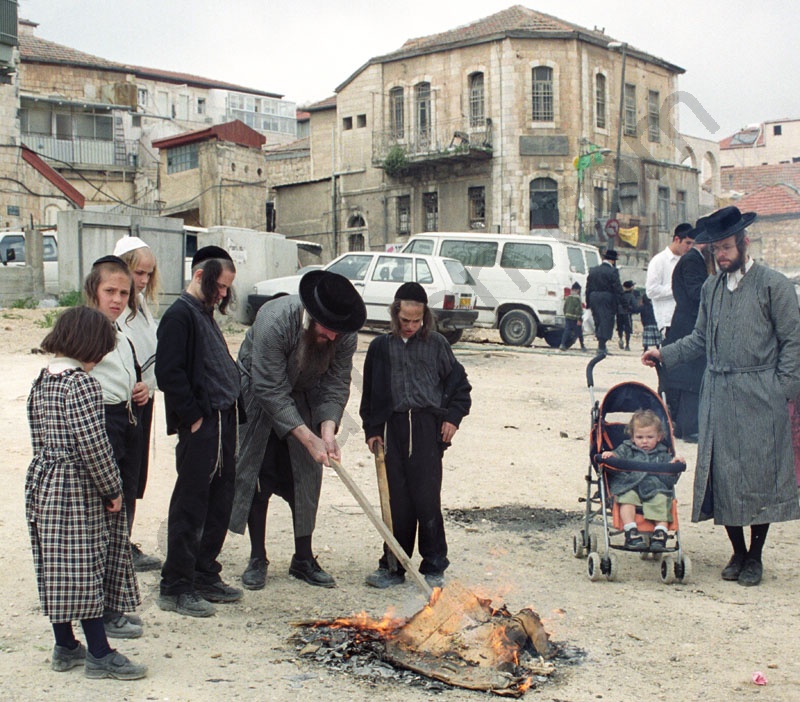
[(236, 132), (780, 199)]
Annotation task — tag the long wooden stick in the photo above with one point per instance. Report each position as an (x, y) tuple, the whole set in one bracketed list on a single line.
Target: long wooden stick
[(383, 493), (383, 530)]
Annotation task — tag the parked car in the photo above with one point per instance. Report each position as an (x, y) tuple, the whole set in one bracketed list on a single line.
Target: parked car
[(521, 280), (377, 275), (12, 253)]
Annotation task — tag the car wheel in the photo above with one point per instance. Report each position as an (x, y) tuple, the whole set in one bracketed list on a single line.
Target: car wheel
[(518, 328), (453, 336)]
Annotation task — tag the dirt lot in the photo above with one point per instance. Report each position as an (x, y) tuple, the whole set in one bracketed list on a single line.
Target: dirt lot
[(512, 483)]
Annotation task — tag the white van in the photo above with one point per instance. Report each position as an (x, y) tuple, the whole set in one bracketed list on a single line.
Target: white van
[(521, 280)]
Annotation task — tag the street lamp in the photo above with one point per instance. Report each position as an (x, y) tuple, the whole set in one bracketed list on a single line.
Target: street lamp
[(614, 45)]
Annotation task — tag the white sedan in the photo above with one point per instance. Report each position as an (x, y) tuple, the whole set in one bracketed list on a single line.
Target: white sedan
[(377, 275)]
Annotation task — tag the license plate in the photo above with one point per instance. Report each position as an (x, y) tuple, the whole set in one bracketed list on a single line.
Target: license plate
[(465, 302)]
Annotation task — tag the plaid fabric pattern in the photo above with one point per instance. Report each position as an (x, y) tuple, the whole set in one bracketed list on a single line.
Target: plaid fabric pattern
[(651, 336), (81, 553)]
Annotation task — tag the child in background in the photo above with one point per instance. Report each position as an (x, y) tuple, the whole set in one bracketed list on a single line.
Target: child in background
[(625, 317), (141, 330), (73, 500), (653, 492), (573, 317), (109, 288), (651, 336)]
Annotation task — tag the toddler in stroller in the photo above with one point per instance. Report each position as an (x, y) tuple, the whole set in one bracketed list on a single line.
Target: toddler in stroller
[(629, 483), (653, 492)]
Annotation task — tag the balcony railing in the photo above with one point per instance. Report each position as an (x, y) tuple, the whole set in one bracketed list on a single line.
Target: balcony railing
[(119, 153), (401, 151)]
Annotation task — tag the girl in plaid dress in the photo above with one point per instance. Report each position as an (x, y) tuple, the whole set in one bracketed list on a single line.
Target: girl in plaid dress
[(73, 500)]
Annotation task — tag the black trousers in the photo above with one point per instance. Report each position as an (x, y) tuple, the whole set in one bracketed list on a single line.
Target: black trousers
[(144, 413), (415, 485), (201, 503), (126, 442)]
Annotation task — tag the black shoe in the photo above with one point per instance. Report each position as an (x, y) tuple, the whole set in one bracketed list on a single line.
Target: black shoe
[(658, 541), (255, 575), (218, 592), (310, 572), (690, 438), (434, 579), (634, 540), (142, 562), (734, 567), (383, 578), (751, 573), (621, 344)]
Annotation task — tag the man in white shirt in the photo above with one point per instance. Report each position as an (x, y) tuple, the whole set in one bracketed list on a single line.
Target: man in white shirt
[(659, 275)]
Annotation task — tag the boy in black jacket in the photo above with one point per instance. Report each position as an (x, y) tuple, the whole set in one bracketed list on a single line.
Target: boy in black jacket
[(415, 395)]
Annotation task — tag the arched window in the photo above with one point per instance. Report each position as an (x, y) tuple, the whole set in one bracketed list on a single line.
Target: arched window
[(355, 242), (397, 113), (600, 99), (423, 102), (544, 203), (477, 113), (542, 94)]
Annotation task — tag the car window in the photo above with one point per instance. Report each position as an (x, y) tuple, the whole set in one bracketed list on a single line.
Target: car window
[(528, 256), (351, 267), (50, 249), (576, 264), (17, 243), (393, 269), (420, 246), (424, 275), (592, 258), (471, 253), (458, 274)]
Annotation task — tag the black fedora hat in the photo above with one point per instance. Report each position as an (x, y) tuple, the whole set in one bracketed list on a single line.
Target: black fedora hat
[(611, 255), (722, 224), (332, 301)]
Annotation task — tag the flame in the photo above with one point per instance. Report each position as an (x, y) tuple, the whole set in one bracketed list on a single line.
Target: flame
[(383, 627), (506, 650)]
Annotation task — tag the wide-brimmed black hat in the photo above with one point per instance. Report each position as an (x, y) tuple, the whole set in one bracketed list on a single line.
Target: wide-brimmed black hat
[(332, 301), (722, 224), (611, 255)]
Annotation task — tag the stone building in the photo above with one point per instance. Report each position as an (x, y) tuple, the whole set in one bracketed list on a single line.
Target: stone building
[(95, 120), (481, 127), (33, 192), (214, 176), (765, 144)]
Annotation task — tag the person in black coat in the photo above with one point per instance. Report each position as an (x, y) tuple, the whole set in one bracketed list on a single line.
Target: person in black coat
[(603, 297), (683, 381)]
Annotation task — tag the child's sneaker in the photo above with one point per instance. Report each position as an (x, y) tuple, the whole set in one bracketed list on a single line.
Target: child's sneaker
[(658, 541), (634, 540)]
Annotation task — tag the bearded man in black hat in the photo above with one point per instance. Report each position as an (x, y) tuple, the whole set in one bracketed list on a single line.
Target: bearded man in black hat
[(200, 382), (296, 362), (415, 395), (603, 297), (748, 328)]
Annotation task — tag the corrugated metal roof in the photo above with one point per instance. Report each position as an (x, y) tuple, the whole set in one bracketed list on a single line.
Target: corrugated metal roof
[(236, 132)]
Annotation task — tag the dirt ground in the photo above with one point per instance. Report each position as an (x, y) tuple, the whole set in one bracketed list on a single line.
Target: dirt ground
[(512, 484)]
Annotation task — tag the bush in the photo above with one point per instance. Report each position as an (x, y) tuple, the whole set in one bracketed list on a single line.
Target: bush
[(395, 162), (73, 298), (48, 320), (25, 303)]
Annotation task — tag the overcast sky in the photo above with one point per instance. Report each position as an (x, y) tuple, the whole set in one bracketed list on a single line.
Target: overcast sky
[(741, 58)]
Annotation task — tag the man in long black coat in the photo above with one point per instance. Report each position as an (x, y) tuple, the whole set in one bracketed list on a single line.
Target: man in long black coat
[(603, 296), (683, 381)]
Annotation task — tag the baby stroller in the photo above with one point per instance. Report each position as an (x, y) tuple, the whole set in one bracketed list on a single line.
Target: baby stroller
[(602, 510)]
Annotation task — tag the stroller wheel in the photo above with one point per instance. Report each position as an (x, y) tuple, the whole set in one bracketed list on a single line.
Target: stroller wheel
[(613, 567), (593, 567), (668, 567), (578, 547), (683, 569), (592, 541)]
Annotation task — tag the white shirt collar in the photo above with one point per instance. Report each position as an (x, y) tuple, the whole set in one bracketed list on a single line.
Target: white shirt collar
[(62, 363), (735, 278)]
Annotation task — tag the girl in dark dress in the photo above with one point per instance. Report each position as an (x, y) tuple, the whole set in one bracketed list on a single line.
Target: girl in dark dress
[(73, 500)]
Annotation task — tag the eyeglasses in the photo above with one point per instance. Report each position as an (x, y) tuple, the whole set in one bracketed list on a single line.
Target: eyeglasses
[(725, 248)]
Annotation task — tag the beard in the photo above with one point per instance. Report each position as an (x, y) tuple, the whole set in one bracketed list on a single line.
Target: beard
[(734, 264), (315, 354)]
